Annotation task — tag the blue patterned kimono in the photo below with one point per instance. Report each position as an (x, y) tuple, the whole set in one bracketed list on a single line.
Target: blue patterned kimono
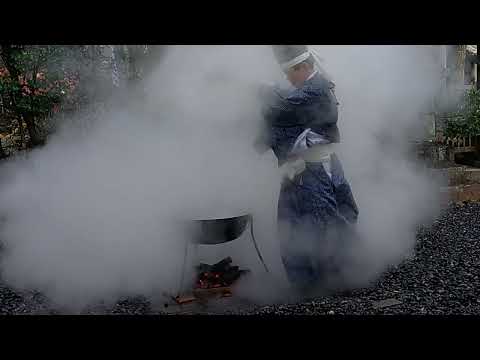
[(316, 209)]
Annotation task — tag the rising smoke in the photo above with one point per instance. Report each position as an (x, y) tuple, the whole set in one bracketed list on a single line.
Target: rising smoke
[(101, 213), (383, 91)]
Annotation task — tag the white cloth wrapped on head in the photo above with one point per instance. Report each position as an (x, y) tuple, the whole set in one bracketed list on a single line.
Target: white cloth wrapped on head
[(304, 56), (299, 59)]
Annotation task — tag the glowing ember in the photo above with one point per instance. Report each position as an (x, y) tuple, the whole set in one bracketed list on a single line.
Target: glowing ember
[(221, 274)]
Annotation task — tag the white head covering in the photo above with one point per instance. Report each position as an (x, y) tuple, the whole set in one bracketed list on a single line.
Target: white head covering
[(304, 55)]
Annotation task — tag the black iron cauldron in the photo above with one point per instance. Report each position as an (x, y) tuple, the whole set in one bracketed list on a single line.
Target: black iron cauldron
[(219, 231)]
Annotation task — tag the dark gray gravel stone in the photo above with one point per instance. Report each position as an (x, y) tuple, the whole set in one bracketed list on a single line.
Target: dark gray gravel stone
[(441, 277)]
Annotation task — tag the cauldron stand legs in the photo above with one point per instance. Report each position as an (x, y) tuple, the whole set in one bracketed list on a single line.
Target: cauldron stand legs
[(185, 255), (180, 286), (256, 245)]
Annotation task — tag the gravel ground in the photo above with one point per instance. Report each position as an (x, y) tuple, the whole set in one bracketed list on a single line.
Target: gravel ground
[(442, 278)]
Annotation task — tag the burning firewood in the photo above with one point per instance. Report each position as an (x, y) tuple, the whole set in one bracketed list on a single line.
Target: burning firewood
[(219, 275), (212, 281), (181, 300), (212, 292)]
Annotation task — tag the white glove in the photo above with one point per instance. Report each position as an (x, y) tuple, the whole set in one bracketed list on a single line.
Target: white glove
[(293, 168)]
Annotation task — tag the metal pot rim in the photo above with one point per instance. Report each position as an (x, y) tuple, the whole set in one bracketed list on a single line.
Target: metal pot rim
[(225, 218)]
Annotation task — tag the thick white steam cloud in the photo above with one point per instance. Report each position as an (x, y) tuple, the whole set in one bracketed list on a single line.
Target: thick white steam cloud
[(98, 214), (383, 90)]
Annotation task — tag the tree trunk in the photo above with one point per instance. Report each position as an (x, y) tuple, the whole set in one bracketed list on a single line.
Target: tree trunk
[(35, 137), (456, 55), (152, 58), (134, 54), (3, 155), (459, 70), (22, 133), (115, 64), (478, 67)]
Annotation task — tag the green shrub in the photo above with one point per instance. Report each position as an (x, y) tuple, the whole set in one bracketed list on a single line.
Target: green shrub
[(466, 120)]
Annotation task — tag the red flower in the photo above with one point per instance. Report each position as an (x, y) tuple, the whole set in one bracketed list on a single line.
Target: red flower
[(26, 90), (4, 72)]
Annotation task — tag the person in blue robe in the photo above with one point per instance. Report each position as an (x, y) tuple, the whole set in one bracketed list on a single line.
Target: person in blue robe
[(316, 208)]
